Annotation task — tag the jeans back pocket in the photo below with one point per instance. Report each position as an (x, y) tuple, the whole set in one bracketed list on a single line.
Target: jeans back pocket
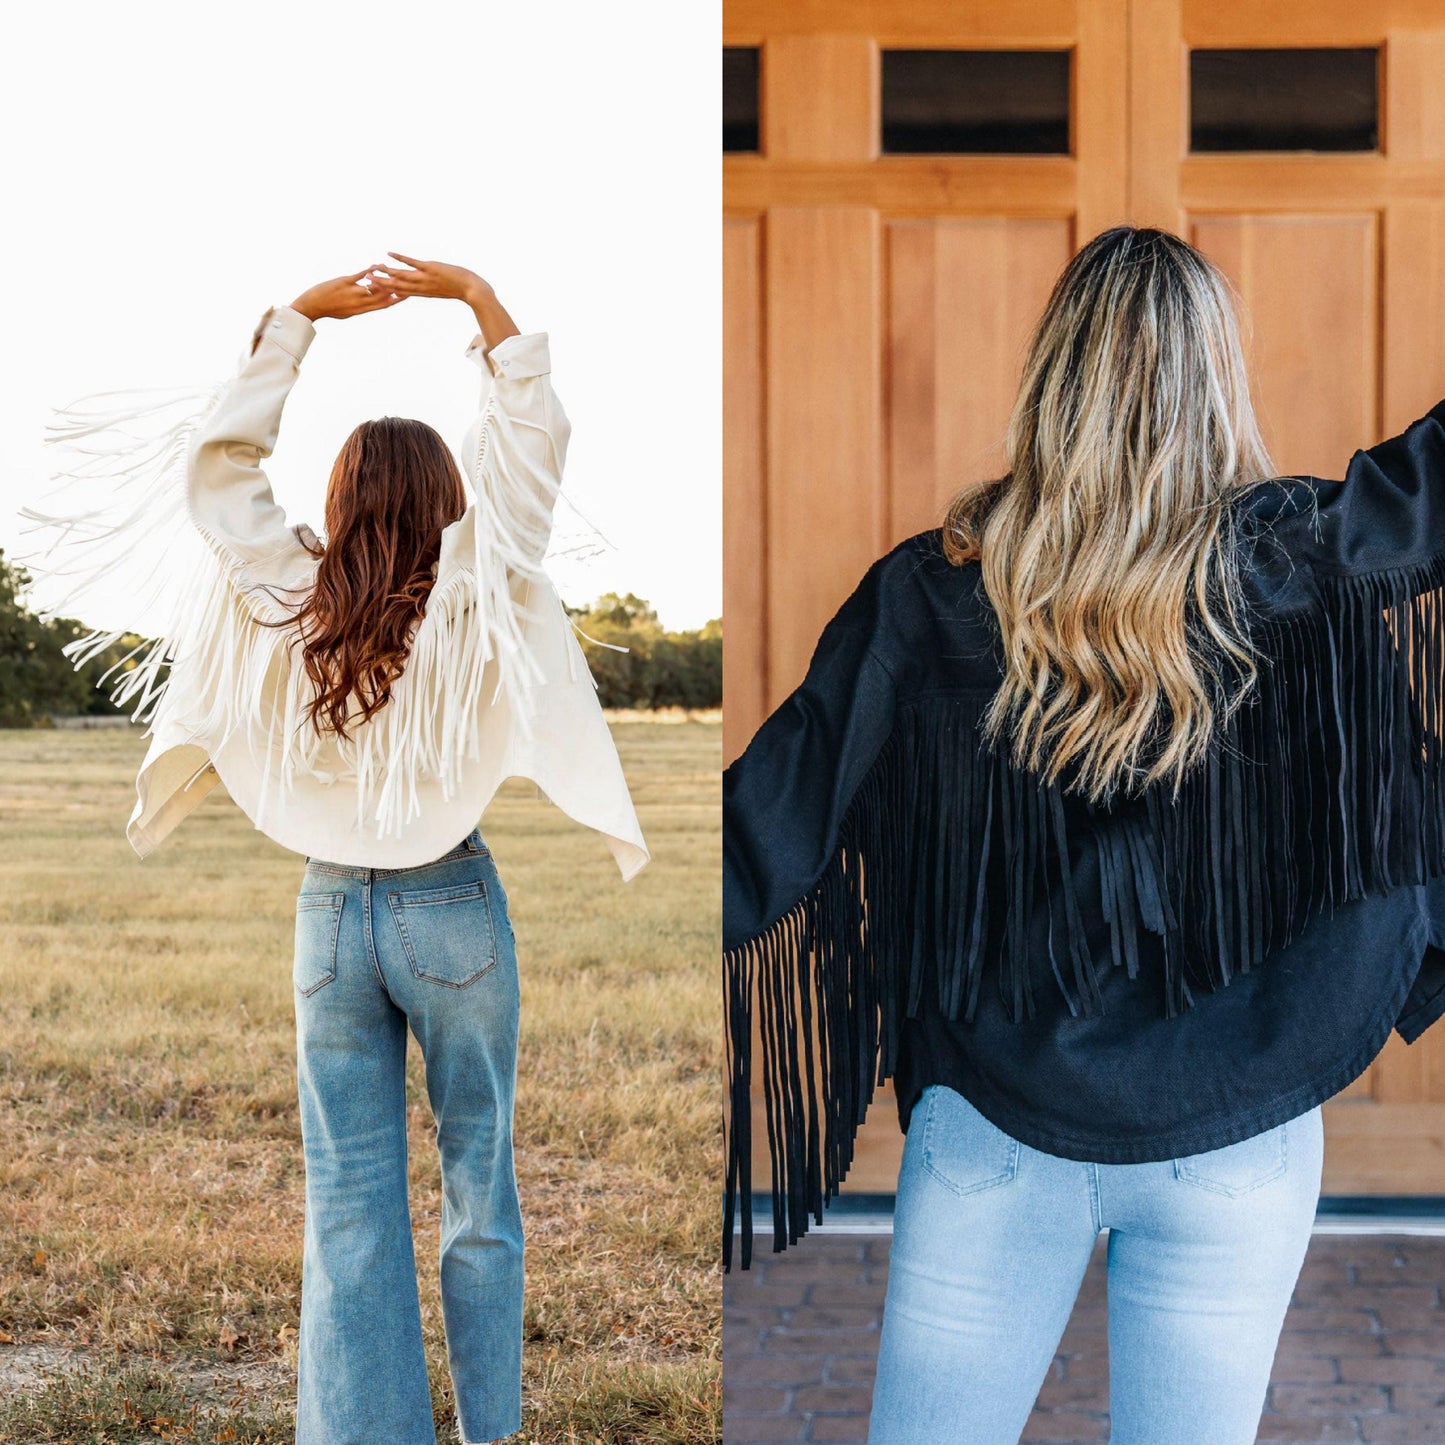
[(1236, 1168), (318, 923), (448, 933), (963, 1150)]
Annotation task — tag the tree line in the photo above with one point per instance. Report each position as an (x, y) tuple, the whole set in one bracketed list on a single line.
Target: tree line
[(659, 668)]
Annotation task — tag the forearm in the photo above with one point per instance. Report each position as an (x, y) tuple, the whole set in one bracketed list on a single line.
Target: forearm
[(1387, 514), (228, 491), (492, 319), (785, 799)]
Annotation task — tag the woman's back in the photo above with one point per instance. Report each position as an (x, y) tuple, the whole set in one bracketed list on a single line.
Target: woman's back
[(1125, 977)]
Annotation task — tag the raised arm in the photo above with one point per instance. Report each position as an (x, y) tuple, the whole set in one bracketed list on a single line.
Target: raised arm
[(785, 798), (227, 490), (496, 325), (1386, 515), (516, 449), (795, 852)]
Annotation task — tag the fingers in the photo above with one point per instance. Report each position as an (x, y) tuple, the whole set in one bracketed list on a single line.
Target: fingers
[(380, 281), (374, 288), (413, 283), (380, 298), (409, 260), (357, 279), (364, 301)]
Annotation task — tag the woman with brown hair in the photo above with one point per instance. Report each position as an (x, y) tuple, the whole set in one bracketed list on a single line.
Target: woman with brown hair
[(362, 698), (1108, 822)]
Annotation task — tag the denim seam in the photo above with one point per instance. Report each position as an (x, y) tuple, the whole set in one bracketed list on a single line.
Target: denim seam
[(317, 900), (371, 938)]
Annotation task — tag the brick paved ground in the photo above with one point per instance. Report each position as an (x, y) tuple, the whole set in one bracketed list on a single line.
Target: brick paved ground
[(1362, 1357)]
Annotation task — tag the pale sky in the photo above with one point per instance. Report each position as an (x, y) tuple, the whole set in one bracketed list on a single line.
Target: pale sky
[(173, 169)]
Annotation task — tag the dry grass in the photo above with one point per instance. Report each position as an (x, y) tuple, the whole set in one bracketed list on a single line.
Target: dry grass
[(150, 1159)]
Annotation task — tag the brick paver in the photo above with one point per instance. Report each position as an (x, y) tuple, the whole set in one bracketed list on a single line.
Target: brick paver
[(1362, 1357)]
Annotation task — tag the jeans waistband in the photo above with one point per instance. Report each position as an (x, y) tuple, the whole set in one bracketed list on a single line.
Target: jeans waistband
[(472, 843)]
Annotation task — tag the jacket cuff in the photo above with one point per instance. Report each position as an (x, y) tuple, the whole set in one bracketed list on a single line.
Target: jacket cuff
[(289, 329), (513, 357)]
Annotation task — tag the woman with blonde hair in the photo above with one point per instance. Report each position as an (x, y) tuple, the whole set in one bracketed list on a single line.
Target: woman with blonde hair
[(362, 698), (1108, 822)]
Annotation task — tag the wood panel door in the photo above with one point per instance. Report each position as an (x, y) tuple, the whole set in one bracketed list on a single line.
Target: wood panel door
[(876, 307), (1340, 260)]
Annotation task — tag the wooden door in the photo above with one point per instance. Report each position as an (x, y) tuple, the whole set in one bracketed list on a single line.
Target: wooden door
[(876, 306), (1340, 259)]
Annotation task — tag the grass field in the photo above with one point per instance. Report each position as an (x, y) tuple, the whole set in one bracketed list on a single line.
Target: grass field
[(150, 1156)]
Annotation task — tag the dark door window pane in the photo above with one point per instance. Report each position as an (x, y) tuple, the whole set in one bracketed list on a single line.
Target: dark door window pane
[(976, 101), (740, 97), (1283, 100)]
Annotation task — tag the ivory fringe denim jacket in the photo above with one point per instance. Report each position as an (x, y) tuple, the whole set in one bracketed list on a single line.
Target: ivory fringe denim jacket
[(495, 685)]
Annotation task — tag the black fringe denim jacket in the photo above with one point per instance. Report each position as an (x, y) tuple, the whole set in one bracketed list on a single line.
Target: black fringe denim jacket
[(1122, 983)]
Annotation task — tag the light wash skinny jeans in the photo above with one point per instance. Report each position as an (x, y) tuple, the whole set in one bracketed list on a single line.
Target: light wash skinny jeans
[(991, 1239), (378, 949)]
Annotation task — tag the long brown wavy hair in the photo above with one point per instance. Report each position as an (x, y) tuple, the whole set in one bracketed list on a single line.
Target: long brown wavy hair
[(1108, 550), (394, 486)]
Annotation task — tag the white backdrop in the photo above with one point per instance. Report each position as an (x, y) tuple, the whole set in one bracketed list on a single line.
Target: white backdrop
[(173, 169)]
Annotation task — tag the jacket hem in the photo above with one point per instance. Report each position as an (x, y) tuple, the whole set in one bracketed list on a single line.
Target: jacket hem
[(1411, 1025), (1174, 1144)]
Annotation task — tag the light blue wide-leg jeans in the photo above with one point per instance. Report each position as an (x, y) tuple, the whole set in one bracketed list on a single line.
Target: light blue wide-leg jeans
[(380, 951), (991, 1239)]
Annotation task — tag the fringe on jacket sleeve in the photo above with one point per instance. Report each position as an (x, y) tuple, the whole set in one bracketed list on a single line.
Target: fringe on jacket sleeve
[(117, 532), (492, 558), (792, 929), (169, 525)]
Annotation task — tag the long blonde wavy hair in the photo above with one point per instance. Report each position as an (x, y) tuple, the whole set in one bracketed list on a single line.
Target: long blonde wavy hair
[(1108, 550)]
